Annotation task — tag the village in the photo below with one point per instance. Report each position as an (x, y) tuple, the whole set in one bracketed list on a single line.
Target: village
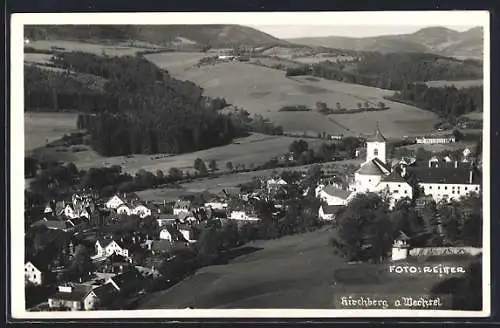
[(91, 253)]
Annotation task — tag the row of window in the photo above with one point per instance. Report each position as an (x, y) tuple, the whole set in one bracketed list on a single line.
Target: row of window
[(453, 188)]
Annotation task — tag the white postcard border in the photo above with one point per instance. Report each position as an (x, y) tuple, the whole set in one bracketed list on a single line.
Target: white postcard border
[(395, 18)]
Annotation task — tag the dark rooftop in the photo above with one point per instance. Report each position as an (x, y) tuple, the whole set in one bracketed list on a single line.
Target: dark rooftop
[(370, 168), (445, 175), (77, 293), (331, 209), (340, 193)]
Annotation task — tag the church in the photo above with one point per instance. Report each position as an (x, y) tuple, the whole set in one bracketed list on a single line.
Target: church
[(403, 179)]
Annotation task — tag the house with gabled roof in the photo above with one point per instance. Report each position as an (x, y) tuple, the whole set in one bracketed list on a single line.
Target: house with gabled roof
[(334, 196), (34, 272)]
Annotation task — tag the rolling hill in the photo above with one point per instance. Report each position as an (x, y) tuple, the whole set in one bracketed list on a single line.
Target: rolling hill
[(438, 40), (165, 35)]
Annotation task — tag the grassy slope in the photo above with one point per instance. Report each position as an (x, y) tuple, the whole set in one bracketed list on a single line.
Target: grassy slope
[(42, 127), (256, 149), (291, 272), (95, 48)]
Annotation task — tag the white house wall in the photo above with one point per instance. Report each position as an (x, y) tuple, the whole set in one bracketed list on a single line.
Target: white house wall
[(451, 191), (367, 183), (114, 202)]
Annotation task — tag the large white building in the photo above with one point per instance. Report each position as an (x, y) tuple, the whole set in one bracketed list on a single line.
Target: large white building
[(402, 181)]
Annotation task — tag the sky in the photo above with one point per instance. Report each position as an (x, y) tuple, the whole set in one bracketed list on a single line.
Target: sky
[(298, 31)]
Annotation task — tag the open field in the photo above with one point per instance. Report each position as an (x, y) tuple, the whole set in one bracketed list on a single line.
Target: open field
[(264, 91), (43, 128), (95, 48), (216, 184), (255, 149), (456, 84), (177, 62), (323, 57), (290, 272)]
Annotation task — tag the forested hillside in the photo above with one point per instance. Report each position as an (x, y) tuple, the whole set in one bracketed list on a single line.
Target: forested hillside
[(403, 72), (140, 109), (393, 71), (163, 35), (448, 102)]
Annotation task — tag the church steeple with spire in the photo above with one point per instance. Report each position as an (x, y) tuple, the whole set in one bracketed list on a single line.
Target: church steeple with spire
[(376, 146)]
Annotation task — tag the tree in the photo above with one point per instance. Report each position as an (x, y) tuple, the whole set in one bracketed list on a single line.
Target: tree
[(160, 176), (364, 230), (421, 154), (230, 235), (404, 218), (297, 147), (209, 244), (229, 166), (312, 178), (458, 135), (367, 104), (360, 105), (213, 165), (82, 265), (321, 106), (381, 105), (199, 165), (451, 221)]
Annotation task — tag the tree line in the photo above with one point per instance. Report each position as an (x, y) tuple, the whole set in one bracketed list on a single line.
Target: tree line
[(140, 108), (367, 227), (392, 71), (448, 102)]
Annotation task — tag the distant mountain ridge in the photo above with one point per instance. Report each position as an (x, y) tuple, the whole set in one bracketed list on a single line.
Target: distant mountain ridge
[(162, 35), (436, 40)]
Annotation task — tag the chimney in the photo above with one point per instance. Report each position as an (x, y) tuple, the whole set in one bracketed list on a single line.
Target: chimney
[(470, 177)]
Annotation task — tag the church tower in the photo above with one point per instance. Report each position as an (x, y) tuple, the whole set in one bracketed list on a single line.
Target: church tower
[(376, 147)]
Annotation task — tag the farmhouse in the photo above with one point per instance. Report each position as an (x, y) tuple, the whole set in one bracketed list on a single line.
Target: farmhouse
[(73, 297), (33, 274), (333, 196), (274, 185), (110, 247), (443, 139)]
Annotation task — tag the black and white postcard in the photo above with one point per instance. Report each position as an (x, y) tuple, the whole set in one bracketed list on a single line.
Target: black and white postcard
[(206, 165)]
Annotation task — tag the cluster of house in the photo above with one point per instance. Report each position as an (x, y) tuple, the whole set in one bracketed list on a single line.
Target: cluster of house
[(68, 215), (100, 291), (178, 229), (440, 178)]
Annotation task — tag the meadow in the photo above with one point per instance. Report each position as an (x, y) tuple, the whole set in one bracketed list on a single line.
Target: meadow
[(289, 272), (262, 90), (43, 128), (95, 48), (255, 149)]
